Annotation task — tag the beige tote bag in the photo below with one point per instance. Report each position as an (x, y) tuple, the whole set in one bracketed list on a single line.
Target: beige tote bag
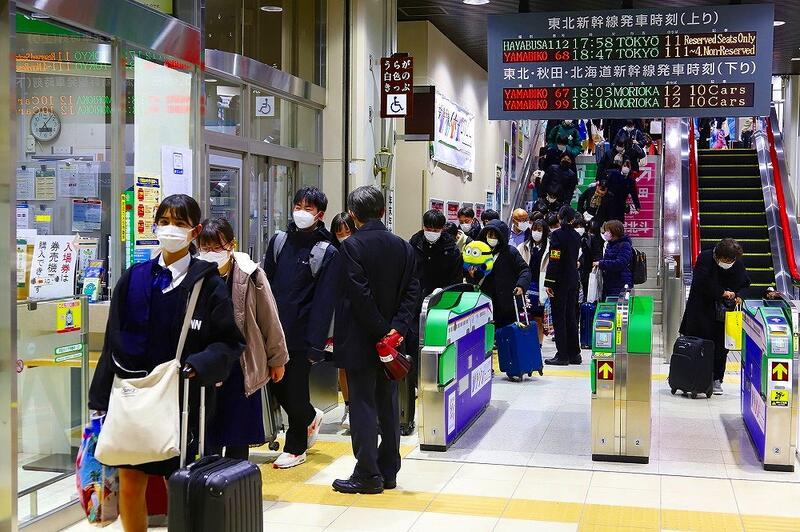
[(143, 420)]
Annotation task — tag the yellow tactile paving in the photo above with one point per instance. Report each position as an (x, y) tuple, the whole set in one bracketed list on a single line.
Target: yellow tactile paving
[(700, 521), (468, 505), (562, 512), (762, 523), (618, 516)]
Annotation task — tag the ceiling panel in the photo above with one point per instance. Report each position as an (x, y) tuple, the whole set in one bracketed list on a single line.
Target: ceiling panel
[(465, 25)]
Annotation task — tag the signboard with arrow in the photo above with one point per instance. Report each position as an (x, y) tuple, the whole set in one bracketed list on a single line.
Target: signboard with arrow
[(605, 370)]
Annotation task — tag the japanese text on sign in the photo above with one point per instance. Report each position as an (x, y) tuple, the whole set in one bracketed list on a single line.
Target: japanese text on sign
[(397, 85), (560, 65), (53, 267)]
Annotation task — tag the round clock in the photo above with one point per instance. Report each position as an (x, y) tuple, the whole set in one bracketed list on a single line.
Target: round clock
[(45, 125)]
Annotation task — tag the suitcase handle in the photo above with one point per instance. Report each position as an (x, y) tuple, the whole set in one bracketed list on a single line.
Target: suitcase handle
[(516, 308), (185, 422)]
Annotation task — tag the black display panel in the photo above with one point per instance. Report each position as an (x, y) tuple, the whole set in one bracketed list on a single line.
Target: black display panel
[(703, 61)]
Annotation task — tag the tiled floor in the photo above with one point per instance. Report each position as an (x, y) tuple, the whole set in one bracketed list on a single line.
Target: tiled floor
[(526, 465)]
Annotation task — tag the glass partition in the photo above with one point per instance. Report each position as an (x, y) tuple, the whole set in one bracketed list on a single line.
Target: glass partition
[(279, 121), (223, 112)]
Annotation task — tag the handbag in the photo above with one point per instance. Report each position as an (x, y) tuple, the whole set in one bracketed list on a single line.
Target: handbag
[(97, 484), (595, 286), (733, 329), (143, 420), (722, 308)]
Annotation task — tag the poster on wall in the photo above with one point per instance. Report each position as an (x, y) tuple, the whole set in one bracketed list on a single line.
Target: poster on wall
[(146, 197), (176, 170), (53, 267), (26, 189), (87, 215), (508, 155), (498, 189), (467, 205), (640, 225), (490, 201), (520, 140), (453, 140), (452, 211), (587, 175), (479, 209), (165, 6), (436, 205), (512, 157)]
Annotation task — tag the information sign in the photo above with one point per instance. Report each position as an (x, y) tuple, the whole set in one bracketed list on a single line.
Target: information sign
[(397, 86), (672, 61)]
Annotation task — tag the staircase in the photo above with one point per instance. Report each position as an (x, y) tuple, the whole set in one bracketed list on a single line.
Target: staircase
[(732, 206)]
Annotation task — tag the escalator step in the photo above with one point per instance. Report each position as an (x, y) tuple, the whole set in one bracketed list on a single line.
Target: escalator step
[(740, 158), (733, 219), (729, 181), (732, 205), (732, 231), (705, 170), (731, 193), (750, 245), (758, 262)]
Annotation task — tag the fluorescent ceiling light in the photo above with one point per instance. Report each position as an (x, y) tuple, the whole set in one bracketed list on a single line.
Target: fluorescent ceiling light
[(475, 2), (779, 23), (795, 58), (272, 9), (211, 80)]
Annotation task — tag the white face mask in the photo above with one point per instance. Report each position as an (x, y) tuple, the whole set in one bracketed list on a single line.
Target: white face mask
[(625, 170), (173, 238), (725, 265), (432, 236), (343, 238), (523, 226), (492, 242), (628, 128), (303, 219), (562, 147), (620, 149), (219, 257), (580, 230), (536, 235), (551, 199), (466, 227), (568, 122), (607, 236)]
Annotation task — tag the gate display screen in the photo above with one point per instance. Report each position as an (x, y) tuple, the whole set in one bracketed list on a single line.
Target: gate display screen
[(703, 61)]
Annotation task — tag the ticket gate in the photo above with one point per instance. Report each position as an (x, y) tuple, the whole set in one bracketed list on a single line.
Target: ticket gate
[(769, 380), (621, 378), (455, 364)]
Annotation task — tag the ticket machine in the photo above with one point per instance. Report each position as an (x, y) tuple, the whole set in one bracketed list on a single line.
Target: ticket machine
[(621, 379), (769, 381), (455, 363)]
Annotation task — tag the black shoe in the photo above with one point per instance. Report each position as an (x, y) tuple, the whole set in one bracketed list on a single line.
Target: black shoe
[(390, 484), (358, 485), (576, 361), (555, 361), (407, 429)]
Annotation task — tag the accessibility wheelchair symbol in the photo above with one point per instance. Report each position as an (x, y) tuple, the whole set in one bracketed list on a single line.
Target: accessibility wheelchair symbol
[(396, 105)]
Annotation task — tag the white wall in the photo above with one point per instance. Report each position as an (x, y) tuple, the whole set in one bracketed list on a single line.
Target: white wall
[(438, 62)]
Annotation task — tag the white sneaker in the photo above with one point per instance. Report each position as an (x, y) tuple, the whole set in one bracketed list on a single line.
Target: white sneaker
[(717, 387), (313, 429), (346, 418), (287, 460)]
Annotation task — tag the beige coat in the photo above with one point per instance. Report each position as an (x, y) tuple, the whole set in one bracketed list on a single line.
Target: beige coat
[(256, 316)]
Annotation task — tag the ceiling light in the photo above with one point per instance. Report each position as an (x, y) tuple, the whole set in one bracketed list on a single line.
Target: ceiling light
[(778, 23), (211, 80), (795, 58), (272, 9), (475, 2)]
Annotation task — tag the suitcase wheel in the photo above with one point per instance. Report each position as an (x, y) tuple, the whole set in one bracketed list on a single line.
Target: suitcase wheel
[(710, 392), (530, 374), (694, 395), (674, 391), (274, 446)]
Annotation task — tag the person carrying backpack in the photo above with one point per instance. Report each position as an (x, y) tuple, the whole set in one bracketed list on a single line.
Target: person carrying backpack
[(617, 259)]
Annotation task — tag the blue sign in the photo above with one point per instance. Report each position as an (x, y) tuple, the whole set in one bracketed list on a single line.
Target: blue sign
[(605, 315)]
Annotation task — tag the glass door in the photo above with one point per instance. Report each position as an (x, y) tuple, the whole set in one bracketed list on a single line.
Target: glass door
[(282, 184), (224, 176)]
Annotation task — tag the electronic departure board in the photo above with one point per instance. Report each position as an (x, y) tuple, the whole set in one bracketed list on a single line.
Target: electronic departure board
[(699, 61)]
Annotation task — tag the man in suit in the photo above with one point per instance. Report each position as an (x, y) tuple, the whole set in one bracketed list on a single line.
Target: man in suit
[(561, 284), (380, 294)]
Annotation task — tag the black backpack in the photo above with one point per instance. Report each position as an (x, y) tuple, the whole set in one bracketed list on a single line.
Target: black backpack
[(639, 267)]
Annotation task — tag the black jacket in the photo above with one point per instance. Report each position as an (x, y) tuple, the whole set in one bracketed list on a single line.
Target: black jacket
[(601, 212), (305, 303), (439, 264), (509, 272), (621, 187), (475, 230), (591, 252), (709, 281), (632, 152), (559, 182), (211, 349), (380, 292), (562, 268)]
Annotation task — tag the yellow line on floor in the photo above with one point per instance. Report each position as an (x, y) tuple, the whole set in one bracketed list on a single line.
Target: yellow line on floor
[(290, 486)]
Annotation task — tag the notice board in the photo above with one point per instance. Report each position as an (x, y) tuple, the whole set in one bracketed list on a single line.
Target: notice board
[(665, 62)]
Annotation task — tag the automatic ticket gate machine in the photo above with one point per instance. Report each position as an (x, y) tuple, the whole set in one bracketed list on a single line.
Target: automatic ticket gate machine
[(455, 363), (769, 380), (621, 378)]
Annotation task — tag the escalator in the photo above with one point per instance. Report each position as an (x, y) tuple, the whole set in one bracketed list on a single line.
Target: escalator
[(731, 205)]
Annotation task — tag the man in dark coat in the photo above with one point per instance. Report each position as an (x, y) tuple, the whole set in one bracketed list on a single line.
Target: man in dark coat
[(510, 277), (306, 300), (595, 203), (620, 153), (439, 264), (560, 181), (380, 296), (561, 284), (622, 184), (718, 277), (467, 222)]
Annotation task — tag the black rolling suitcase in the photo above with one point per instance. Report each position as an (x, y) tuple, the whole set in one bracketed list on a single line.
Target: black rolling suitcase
[(213, 494), (691, 368)]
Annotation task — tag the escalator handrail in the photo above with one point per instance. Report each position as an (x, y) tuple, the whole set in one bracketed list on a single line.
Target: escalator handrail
[(781, 198), (694, 194)]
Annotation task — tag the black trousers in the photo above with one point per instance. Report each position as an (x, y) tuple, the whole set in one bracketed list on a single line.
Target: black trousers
[(720, 353), (293, 395), (565, 324), (373, 396)]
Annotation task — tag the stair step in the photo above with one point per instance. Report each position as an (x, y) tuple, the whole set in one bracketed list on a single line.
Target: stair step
[(733, 219)]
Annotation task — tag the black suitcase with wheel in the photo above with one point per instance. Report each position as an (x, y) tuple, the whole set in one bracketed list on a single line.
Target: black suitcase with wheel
[(272, 417), (691, 368), (213, 494)]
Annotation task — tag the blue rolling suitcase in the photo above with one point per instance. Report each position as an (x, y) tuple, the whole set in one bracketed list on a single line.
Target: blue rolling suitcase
[(518, 348), (587, 319)]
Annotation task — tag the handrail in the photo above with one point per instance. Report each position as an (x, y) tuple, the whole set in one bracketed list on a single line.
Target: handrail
[(694, 194), (781, 197)]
